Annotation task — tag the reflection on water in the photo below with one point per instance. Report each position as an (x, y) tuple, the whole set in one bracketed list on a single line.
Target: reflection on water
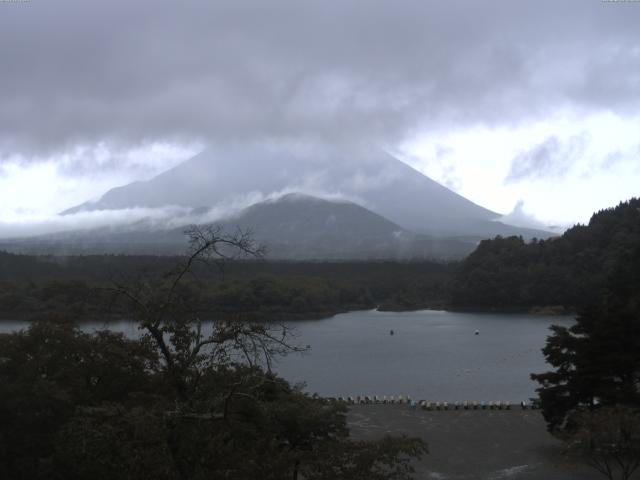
[(431, 355)]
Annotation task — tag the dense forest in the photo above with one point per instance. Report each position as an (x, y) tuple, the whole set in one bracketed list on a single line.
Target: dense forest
[(568, 271), (558, 275), (81, 285)]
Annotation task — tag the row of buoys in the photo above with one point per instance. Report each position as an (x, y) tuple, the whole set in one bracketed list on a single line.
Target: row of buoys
[(497, 405), (425, 405), (374, 399)]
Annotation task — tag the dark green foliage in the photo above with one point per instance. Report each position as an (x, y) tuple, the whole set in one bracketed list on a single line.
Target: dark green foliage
[(47, 372), (597, 361), (75, 286), (385, 459), (113, 442), (608, 440), (179, 403), (569, 271), (81, 406)]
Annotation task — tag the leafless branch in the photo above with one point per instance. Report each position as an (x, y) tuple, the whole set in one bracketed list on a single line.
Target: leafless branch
[(167, 315)]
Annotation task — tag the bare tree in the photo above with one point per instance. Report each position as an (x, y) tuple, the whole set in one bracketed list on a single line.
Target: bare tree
[(166, 311)]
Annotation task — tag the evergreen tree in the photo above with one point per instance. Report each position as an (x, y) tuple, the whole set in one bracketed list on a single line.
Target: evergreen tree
[(597, 360), (570, 270)]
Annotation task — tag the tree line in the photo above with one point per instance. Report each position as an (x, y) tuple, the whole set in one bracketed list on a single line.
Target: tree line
[(77, 286), (184, 401), (568, 271)]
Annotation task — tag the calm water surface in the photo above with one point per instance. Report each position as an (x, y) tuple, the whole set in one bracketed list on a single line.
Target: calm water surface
[(432, 355)]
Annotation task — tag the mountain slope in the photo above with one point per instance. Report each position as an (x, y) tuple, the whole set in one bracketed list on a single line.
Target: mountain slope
[(373, 179), (301, 226), (294, 226)]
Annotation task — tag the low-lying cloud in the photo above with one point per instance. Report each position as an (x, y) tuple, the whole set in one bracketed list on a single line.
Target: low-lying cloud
[(519, 217), (159, 218), (31, 225)]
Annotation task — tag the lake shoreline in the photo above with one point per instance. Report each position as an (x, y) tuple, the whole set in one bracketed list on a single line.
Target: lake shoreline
[(549, 310)]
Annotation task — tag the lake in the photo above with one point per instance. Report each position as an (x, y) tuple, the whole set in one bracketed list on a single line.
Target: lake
[(432, 355)]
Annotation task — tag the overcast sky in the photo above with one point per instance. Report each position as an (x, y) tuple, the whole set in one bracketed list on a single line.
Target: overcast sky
[(524, 107)]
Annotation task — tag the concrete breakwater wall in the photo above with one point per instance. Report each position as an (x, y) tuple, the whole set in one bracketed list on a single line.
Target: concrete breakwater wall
[(429, 405)]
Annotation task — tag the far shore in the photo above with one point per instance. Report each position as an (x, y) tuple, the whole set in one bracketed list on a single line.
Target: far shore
[(549, 310)]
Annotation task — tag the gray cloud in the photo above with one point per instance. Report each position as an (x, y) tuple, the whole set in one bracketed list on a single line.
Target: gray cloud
[(447, 173), (520, 218), (102, 161), (550, 158), (76, 73), (157, 217)]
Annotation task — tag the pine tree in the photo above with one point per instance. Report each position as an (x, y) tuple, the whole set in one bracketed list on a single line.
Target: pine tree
[(597, 360)]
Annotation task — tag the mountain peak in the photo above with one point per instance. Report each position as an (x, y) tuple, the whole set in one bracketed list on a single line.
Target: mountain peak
[(374, 179)]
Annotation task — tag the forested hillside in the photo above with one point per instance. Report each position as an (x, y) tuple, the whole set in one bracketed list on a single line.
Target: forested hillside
[(567, 271), (80, 286)]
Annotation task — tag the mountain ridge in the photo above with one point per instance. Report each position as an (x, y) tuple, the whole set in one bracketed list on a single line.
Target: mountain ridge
[(375, 180), (293, 226)]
